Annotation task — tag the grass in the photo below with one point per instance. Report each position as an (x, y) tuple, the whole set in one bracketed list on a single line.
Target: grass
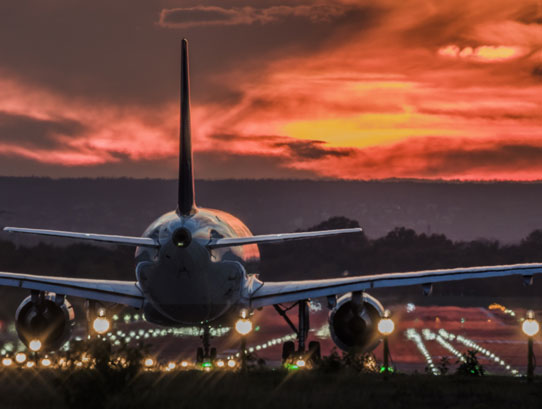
[(265, 389)]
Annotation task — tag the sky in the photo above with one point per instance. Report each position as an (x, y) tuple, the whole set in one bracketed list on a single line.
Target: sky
[(345, 89)]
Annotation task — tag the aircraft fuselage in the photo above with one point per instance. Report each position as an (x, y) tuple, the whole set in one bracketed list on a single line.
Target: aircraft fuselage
[(183, 281)]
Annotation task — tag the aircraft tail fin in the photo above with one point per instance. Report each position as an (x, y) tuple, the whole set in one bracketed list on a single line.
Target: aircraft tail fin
[(186, 204)]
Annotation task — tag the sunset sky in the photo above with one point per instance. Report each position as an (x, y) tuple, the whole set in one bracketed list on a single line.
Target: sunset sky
[(440, 89)]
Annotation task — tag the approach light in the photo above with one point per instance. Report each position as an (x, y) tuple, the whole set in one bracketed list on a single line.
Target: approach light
[(220, 363), (184, 364), (386, 326), (148, 362), (7, 361), (46, 362), (300, 363), (530, 326), (30, 364), (231, 363), (243, 326), (20, 357), (34, 345), (101, 325), (171, 366)]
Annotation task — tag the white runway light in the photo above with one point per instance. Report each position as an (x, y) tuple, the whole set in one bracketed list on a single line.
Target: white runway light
[(34, 345), (101, 325), (530, 327), (20, 357), (243, 326)]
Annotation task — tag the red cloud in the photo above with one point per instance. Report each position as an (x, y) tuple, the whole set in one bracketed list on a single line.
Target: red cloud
[(419, 89)]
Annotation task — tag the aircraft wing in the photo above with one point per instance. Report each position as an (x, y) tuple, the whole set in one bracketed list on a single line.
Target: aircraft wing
[(279, 292), (274, 238), (107, 238), (120, 292)]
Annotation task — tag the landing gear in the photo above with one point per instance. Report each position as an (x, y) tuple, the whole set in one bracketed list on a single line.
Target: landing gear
[(289, 352), (314, 351), (206, 353)]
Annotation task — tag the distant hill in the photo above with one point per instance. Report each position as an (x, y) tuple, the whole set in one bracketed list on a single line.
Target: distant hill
[(462, 211)]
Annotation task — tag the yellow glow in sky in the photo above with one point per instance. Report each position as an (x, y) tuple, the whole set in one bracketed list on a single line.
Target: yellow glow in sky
[(365, 130)]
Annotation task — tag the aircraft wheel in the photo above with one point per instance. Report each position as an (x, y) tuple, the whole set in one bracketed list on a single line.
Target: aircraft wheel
[(199, 356), (314, 351), (288, 349)]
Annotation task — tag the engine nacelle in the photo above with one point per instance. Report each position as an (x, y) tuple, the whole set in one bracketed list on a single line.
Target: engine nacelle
[(45, 318), (355, 328)]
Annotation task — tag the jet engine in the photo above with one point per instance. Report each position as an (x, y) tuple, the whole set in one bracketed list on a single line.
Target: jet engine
[(353, 322), (44, 317)]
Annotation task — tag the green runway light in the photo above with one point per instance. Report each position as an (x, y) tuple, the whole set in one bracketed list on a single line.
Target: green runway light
[(207, 365), (257, 328), (383, 368)]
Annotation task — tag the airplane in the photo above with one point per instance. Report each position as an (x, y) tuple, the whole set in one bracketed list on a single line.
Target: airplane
[(191, 269)]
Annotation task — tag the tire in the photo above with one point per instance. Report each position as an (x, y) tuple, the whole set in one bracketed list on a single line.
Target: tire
[(288, 349), (314, 351), (199, 356)]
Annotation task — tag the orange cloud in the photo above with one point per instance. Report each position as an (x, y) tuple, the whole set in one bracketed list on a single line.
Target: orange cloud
[(484, 53), (433, 89)]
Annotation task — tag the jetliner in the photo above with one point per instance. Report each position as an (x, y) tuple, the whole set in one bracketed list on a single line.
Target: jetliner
[(191, 269)]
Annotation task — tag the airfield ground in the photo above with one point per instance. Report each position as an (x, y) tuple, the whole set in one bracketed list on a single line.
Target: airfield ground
[(269, 389)]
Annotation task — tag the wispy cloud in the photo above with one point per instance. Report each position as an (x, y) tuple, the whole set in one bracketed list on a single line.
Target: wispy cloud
[(185, 17)]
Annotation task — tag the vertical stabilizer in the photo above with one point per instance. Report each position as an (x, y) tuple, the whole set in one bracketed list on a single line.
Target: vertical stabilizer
[(186, 203)]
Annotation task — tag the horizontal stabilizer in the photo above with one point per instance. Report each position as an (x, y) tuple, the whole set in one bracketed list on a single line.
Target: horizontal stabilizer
[(274, 238), (107, 238)]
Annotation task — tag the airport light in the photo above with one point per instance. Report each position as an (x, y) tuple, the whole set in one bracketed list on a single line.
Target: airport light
[(231, 363), (301, 363), (413, 336), (171, 366), (34, 345), (473, 345), (7, 361), (184, 364), (243, 326), (386, 327), (30, 364), (149, 362), (46, 362), (20, 357), (101, 325), (220, 363), (530, 328)]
